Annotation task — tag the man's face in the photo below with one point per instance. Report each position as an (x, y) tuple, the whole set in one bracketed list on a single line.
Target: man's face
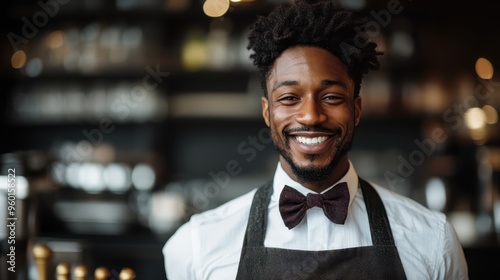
[(312, 113)]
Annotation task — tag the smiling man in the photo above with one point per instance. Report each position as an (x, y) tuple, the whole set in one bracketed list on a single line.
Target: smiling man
[(316, 219), (312, 110)]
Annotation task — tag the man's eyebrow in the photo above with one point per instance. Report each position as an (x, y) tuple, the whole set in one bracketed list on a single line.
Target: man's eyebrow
[(334, 83), (285, 83), (323, 82)]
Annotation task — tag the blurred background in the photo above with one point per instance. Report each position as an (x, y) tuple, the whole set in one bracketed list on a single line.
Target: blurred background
[(123, 118)]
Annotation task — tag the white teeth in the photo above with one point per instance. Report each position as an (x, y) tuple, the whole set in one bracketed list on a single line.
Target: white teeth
[(311, 140)]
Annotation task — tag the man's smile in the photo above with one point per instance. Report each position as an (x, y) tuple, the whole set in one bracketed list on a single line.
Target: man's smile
[(311, 144), (313, 141), (310, 141)]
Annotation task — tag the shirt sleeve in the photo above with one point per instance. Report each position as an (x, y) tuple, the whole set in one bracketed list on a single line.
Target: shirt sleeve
[(453, 265), (178, 255)]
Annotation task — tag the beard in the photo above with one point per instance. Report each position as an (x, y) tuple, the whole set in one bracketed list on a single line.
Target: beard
[(313, 174)]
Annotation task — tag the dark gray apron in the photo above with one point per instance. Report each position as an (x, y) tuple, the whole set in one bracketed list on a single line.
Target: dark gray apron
[(378, 261)]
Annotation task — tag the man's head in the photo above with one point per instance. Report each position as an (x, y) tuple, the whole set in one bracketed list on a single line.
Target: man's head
[(321, 24), (311, 69)]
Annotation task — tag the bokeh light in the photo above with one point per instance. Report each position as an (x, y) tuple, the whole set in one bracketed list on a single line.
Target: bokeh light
[(117, 177), (55, 39), (435, 194), (491, 114), (18, 59), (143, 177), (484, 68), (475, 118), (34, 67), (215, 8)]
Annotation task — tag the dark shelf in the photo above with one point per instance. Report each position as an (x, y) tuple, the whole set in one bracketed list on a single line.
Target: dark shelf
[(130, 72)]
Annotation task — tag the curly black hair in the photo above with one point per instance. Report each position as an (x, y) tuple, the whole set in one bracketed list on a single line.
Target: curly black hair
[(321, 24)]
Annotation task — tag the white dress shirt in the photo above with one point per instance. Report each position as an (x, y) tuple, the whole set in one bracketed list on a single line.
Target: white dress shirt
[(209, 245)]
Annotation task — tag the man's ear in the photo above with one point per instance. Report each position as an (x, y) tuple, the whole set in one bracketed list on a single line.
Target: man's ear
[(357, 109), (265, 109)]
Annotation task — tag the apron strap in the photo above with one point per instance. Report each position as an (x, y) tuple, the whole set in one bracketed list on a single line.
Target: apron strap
[(379, 223), (257, 220)]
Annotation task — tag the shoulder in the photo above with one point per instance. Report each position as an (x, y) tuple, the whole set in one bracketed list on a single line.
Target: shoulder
[(208, 236), (423, 234), (225, 215), (402, 209), (406, 212), (236, 208)]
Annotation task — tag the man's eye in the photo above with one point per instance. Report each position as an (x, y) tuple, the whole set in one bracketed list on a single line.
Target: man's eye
[(332, 98), (288, 99)]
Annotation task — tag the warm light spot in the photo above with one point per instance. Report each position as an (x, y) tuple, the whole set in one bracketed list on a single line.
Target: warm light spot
[(215, 8), (55, 40), (484, 68), (18, 59), (479, 135), (434, 97), (475, 118), (491, 114), (194, 54)]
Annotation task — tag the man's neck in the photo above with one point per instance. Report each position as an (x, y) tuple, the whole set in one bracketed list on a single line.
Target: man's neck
[(338, 172)]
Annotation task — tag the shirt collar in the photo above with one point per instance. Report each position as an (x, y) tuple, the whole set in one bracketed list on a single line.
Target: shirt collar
[(281, 179)]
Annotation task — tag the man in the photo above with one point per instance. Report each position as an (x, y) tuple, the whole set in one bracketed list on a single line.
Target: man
[(311, 66)]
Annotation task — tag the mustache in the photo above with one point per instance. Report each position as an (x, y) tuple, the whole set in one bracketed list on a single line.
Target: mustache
[(334, 131)]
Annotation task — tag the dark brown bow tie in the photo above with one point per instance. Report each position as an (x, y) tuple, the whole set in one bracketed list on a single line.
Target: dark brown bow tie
[(293, 205)]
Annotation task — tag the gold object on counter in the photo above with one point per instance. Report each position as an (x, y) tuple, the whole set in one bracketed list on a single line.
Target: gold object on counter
[(127, 274), (63, 271), (101, 273), (81, 272), (42, 254)]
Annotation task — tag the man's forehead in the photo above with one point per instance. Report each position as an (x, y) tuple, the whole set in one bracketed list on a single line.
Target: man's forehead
[(298, 64)]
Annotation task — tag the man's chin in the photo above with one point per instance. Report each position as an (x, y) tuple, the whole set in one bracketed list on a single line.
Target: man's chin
[(310, 166), (312, 173), (313, 161)]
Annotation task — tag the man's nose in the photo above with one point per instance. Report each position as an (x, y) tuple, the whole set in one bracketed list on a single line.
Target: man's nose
[(311, 113)]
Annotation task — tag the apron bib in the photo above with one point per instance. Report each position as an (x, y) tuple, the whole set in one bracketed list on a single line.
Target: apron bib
[(378, 261)]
